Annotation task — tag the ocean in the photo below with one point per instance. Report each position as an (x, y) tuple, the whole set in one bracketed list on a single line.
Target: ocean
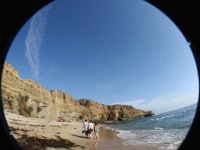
[(165, 131)]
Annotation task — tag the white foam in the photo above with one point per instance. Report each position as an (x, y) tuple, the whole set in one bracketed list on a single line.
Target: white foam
[(165, 117), (162, 139), (158, 128), (126, 134)]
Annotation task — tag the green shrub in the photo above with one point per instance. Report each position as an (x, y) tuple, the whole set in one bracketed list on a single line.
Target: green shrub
[(23, 108), (39, 109)]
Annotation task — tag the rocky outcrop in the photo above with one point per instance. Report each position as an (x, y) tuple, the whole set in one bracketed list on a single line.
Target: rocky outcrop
[(28, 98), (113, 112), (14, 88)]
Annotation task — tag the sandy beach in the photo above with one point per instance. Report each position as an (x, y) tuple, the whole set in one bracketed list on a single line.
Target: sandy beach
[(48, 135), (42, 134)]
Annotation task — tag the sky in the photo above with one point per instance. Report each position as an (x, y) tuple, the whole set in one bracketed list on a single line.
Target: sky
[(112, 52)]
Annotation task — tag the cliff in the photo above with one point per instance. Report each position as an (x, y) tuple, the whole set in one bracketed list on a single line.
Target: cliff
[(28, 98)]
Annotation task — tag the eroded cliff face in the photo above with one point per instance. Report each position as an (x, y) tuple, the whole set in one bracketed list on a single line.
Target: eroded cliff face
[(113, 112), (28, 98), (17, 92)]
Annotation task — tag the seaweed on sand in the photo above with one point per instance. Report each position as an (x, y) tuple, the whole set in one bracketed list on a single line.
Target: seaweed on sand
[(35, 143)]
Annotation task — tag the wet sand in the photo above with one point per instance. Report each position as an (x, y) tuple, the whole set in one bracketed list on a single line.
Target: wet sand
[(110, 141)]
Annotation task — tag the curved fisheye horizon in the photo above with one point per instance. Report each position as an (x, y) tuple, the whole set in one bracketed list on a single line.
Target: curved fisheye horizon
[(127, 53), (109, 52)]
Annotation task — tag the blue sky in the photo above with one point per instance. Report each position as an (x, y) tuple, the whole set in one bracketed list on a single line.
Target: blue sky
[(114, 51)]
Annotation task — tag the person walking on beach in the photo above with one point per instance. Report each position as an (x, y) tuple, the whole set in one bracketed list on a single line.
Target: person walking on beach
[(85, 127), (96, 130), (91, 129)]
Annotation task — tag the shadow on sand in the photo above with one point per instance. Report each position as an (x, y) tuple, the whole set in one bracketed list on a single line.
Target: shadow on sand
[(79, 136)]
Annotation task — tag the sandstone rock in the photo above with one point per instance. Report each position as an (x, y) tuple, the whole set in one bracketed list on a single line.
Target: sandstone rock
[(28, 98)]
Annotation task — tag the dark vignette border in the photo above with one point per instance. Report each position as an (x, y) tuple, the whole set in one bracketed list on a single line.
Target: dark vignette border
[(13, 15), (184, 14)]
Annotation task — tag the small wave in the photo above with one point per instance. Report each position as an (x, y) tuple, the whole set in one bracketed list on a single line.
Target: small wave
[(110, 128), (158, 128), (126, 134), (165, 117)]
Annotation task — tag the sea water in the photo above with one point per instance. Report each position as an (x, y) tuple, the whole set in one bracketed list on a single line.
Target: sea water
[(165, 131)]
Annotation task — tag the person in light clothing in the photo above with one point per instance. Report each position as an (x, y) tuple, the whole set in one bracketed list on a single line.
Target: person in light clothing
[(91, 129), (85, 128)]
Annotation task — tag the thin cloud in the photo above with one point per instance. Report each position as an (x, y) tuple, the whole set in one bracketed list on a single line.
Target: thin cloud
[(163, 104), (34, 39)]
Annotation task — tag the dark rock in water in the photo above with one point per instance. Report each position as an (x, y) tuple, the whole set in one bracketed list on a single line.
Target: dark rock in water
[(149, 113)]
